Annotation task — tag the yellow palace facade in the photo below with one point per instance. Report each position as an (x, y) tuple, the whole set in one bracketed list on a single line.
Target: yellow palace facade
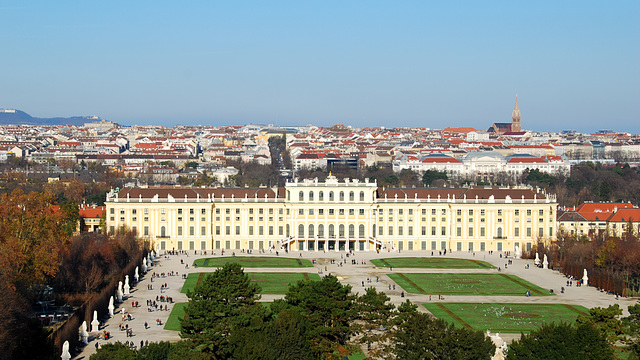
[(335, 215)]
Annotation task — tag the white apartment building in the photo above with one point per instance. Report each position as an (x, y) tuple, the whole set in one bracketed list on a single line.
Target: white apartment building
[(481, 164)]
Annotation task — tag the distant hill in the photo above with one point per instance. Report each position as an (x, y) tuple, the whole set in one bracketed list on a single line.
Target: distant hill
[(18, 117)]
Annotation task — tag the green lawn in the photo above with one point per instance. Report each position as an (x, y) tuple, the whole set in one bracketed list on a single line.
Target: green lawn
[(177, 313), (278, 283), (270, 283), (432, 263), (504, 318), (357, 356), (466, 284), (191, 282), (255, 261)]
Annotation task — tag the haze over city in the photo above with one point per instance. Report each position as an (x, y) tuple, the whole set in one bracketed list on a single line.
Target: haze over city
[(413, 64)]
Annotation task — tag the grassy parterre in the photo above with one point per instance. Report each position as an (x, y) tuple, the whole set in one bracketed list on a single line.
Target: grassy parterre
[(504, 318), (254, 262), (270, 283), (466, 284), (177, 313), (432, 263)]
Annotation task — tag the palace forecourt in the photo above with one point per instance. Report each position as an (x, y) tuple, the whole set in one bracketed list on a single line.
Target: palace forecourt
[(360, 276), (334, 215)]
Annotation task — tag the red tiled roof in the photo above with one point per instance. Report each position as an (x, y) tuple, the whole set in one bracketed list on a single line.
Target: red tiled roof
[(441, 160), (601, 211), (192, 193), (624, 215), (459, 129), (91, 212), (421, 193)]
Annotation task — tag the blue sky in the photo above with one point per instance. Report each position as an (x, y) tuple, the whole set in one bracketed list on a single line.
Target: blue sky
[(574, 65)]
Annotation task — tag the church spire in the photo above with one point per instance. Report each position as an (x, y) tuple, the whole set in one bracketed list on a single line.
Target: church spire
[(515, 117)]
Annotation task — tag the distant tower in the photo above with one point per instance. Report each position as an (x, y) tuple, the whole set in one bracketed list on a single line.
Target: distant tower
[(515, 117)]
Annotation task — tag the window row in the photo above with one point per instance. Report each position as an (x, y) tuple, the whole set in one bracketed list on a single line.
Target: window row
[(341, 196)]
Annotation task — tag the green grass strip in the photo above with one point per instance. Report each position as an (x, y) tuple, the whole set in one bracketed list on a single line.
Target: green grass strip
[(432, 263), (254, 262), (191, 282), (177, 313), (278, 283)]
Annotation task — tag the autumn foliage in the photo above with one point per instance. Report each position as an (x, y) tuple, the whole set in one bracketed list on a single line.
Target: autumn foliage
[(31, 237), (90, 261)]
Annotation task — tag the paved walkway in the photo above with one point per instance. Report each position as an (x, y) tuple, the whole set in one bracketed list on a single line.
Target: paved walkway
[(353, 275)]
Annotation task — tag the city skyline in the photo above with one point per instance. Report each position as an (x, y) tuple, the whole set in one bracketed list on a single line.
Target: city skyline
[(412, 64)]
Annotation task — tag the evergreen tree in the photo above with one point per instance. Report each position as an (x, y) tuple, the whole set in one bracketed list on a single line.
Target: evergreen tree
[(604, 319), (328, 306), (116, 351), (375, 315), (430, 176), (421, 336), (562, 341), (288, 337), (225, 301)]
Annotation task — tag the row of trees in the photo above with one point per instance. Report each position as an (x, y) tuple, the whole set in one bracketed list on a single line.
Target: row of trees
[(590, 182), (612, 263), (384, 175), (90, 261)]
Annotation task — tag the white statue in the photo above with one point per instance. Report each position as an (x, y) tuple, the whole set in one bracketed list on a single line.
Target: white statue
[(111, 306), (119, 292), (136, 276), (537, 260), (84, 335), (144, 265), (517, 252), (501, 346), (585, 278), (126, 285), (95, 324), (545, 263), (65, 351)]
